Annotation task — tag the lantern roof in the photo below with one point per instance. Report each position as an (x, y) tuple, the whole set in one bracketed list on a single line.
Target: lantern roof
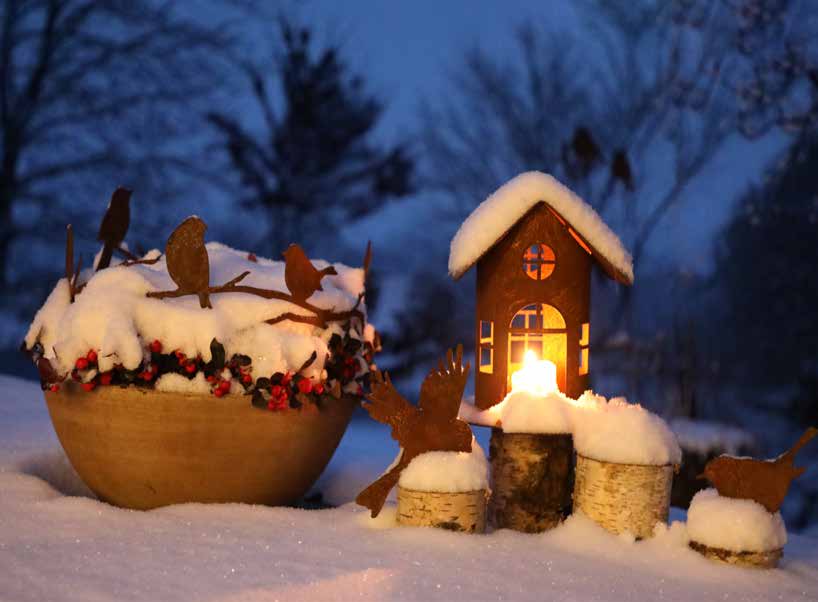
[(503, 209)]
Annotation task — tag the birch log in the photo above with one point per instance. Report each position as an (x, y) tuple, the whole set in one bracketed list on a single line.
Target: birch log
[(623, 497), (531, 478), (758, 560), (465, 511)]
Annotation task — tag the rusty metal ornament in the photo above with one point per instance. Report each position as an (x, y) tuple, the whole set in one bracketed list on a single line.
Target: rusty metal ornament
[(504, 288), (114, 225), (764, 481), (187, 260), (431, 426), (301, 277)]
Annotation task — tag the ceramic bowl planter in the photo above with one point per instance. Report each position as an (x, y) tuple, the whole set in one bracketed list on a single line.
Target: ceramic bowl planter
[(142, 449)]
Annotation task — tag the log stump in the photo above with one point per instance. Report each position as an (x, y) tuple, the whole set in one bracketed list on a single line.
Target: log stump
[(755, 560), (464, 511), (531, 480), (623, 497)]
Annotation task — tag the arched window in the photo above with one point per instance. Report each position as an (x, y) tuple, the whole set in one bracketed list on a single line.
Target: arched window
[(539, 261), (540, 328)]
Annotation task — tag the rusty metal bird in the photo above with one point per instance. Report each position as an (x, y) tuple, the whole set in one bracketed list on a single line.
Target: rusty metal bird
[(431, 426), (765, 481), (621, 169), (114, 225), (187, 260), (301, 277)]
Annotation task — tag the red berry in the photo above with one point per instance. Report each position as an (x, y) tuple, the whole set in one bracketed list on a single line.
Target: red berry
[(179, 355), (318, 389), (218, 392), (210, 379), (275, 390), (54, 388), (89, 386), (305, 385), (105, 378), (147, 375), (156, 347), (246, 378), (92, 356), (224, 385), (190, 368), (82, 363), (154, 369), (252, 257), (285, 380)]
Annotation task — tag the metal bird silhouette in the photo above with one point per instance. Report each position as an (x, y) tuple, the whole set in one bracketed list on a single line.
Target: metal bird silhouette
[(765, 481), (301, 277), (114, 225), (187, 260), (431, 426)]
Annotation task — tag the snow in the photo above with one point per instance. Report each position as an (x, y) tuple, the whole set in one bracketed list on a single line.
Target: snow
[(736, 525), (448, 472), (606, 430), (705, 438), (113, 316), (524, 412), (58, 543), (499, 212), (617, 431), (172, 382)]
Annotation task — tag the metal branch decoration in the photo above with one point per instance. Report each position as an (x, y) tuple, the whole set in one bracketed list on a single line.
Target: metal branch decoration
[(431, 426), (764, 481), (189, 267)]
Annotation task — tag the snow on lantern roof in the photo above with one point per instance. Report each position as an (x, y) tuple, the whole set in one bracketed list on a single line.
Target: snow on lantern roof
[(498, 214)]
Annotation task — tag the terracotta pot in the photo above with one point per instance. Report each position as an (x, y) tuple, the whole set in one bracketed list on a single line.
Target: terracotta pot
[(142, 449)]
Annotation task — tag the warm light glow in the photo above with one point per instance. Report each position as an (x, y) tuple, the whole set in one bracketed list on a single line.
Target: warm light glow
[(536, 376)]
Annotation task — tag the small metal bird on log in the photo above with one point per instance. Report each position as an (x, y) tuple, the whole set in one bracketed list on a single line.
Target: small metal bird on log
[(431, 426), (765, 481), (114, 225), (301, 277), (187, 260)]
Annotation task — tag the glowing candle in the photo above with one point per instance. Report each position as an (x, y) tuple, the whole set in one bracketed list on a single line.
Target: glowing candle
[(536, 376)]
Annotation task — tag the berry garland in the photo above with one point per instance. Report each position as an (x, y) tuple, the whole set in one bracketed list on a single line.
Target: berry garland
[(347, 368)]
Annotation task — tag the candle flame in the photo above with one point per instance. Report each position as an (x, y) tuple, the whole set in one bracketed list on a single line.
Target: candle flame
[(536, 376)]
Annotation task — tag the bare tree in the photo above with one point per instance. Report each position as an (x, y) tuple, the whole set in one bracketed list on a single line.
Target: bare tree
[(313, 163), (647, 80), (93, 91)]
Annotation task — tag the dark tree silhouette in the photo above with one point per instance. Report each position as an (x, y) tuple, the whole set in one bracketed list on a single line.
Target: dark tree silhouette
[(314, 162), (93, 91), (766, 266)]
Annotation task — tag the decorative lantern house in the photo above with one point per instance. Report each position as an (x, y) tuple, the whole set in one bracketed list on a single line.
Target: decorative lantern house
[(534, 242)]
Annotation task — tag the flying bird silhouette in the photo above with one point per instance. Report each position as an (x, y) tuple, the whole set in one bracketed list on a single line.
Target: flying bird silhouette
[(431, 426), (301, 277), (114, 225), (765, 481), (187, 260)]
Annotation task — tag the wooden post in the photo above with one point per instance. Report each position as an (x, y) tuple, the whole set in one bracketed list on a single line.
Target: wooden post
[(623, 497), (465, 511), (531, 479), (756, 560)]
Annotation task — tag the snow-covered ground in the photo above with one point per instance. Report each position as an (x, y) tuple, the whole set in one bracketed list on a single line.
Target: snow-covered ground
[(57, 543)]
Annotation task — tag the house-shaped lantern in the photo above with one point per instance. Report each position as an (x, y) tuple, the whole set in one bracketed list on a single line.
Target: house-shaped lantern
[(534, 243)]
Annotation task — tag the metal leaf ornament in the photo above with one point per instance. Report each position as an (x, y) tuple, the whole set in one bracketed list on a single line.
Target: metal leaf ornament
[(431, 426)]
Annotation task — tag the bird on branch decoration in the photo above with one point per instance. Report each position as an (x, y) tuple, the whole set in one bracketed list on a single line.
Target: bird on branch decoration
[(301, 277), (431, 426)]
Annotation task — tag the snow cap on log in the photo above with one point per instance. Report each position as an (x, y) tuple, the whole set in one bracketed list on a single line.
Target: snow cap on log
[(495, 216)]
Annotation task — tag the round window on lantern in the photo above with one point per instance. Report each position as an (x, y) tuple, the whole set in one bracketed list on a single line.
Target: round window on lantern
[(539, 261)]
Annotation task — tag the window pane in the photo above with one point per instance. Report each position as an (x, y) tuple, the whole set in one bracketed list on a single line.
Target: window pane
[(517, 351), (536, 347), (485, 356), (538, 261), (486, 333)]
